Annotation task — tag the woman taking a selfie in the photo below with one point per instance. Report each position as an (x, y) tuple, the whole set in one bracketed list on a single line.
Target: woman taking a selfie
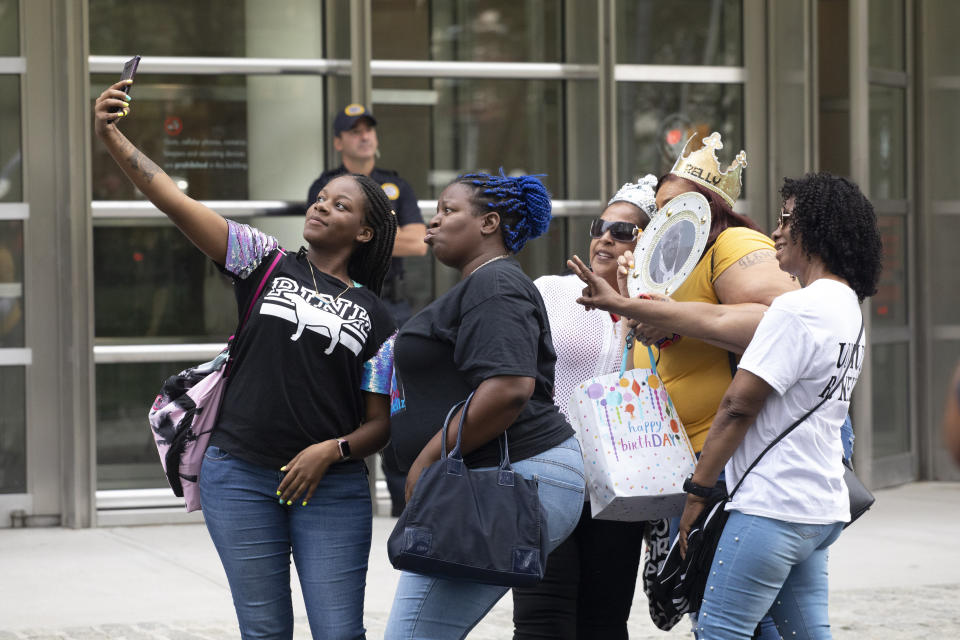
[(307, 397), (489, 335)]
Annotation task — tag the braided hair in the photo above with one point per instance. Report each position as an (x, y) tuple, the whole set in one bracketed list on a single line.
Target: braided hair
[(522, 202), (836, 223), (370, 261)]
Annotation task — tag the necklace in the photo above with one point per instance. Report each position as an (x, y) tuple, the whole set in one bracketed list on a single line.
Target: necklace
[(315, 288), (493, 259)]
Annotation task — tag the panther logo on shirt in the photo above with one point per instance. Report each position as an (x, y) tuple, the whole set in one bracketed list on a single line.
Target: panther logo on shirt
[(339, 320)]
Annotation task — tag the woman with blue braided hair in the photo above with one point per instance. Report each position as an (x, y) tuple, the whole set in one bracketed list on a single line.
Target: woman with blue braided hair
[(489, 334)]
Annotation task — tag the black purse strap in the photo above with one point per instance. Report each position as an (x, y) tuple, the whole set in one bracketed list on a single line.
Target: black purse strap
[(446, 425), (796, 424), (232, 340), (456, 453)]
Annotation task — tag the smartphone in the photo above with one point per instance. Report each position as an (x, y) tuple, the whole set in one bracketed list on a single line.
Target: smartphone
[(129, 71)]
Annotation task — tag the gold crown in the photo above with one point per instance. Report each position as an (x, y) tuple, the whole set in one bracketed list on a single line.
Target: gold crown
[(702, 167)]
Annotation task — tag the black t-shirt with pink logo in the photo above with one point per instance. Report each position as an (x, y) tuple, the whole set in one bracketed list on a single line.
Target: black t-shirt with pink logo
[(303, 358)]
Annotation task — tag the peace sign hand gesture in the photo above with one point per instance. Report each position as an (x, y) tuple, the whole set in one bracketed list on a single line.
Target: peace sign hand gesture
[(598, 294)]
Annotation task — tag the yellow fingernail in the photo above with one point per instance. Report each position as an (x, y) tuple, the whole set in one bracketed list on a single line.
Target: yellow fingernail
[(289, 502), (129, 81), (278, 493), (283, 468), (126, 104), (304, 503)]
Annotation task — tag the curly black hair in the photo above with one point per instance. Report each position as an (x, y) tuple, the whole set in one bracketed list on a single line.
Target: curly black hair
[(836, 223)]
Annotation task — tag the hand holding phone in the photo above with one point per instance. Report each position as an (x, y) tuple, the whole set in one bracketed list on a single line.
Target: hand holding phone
[(129, 71)]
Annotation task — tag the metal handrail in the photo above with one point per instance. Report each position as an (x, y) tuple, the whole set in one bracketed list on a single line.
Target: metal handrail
[(679, 73), (196, 352), (111, 209), (497, 70), (333, 66), (218, 66), (13, 65), (140, 209), (14, 210)]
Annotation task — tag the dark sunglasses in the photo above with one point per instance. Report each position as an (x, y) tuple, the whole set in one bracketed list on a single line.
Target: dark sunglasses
[(619, 231), (784, 218)]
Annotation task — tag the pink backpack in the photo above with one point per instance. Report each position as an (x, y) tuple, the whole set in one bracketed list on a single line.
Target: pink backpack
[(185, 411)]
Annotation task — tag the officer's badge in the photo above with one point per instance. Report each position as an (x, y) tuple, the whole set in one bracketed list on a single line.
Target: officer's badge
[(392, 190)]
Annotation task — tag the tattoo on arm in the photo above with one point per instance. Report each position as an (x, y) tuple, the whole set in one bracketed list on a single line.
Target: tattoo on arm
[(756, 258), (144, 165), (139, 162)]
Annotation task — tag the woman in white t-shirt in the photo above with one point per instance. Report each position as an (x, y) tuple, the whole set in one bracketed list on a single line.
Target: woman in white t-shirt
[(589, 583), (772, 554)]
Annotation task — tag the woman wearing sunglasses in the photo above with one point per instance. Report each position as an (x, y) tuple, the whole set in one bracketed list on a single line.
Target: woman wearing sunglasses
[(588, 587)]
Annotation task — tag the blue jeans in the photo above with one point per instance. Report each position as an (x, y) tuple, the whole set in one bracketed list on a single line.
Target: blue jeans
[(762, 565), (428, 608), (254, 535)]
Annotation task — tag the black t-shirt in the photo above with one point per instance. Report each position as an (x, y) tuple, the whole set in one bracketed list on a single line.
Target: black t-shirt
[(492, 323), (401, 196), (298, 362)]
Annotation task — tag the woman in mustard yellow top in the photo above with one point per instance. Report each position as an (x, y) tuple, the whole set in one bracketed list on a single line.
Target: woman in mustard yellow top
[(709, 320), (739, 270)]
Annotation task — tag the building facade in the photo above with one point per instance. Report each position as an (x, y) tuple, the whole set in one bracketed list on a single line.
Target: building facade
[(101, 298)]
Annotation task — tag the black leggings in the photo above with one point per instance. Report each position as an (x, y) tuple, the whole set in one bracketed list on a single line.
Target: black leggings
[(588, 587)]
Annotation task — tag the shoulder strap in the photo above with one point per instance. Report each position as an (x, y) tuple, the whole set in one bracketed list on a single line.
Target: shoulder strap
[(713, 263), (805, 416), (231, 341), (256, 295)]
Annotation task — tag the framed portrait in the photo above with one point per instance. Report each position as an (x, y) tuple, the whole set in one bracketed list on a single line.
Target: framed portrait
[(671, 245)]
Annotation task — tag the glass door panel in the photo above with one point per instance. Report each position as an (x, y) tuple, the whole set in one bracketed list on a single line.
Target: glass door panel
[(940, 100), (888, 143), (888, 176)]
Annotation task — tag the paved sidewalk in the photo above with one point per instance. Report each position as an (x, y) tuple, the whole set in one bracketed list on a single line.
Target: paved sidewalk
[(895, 574)]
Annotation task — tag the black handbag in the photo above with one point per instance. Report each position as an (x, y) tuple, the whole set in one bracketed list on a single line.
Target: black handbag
[(473, 525), (678, 586), (860, 497), (680, 581)]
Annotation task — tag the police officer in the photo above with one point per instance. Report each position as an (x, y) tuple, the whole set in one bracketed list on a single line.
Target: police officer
[(355, 137)]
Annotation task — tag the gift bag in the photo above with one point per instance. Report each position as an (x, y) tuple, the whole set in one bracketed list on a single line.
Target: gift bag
[(635, 450)]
